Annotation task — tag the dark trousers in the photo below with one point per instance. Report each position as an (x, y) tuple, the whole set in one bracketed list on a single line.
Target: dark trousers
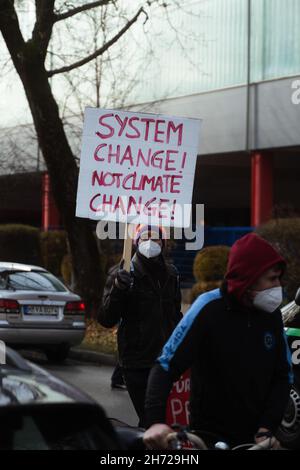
[(136, 381), (117, 376)]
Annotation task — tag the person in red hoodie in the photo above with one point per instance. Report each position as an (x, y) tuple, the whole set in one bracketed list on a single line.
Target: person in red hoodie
[(233, 340)]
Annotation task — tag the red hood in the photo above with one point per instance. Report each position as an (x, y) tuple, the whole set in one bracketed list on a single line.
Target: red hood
[(249, 258)]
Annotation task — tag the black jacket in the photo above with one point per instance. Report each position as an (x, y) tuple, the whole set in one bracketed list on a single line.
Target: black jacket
[(241, 374), (147, 313)]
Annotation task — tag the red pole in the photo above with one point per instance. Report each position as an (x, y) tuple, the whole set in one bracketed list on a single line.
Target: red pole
[(261, 188), (50, 214)]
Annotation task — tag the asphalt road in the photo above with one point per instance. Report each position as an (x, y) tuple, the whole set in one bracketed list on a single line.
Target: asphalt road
[(95, 381)]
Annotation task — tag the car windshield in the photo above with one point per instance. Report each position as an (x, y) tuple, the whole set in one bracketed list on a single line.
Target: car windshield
[(54, 427), (30, 280)]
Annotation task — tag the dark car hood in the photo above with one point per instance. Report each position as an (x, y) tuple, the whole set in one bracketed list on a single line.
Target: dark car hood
[(36, 386)]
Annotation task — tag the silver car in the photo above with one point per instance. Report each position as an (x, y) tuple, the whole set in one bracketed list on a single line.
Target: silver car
[(38, 311)]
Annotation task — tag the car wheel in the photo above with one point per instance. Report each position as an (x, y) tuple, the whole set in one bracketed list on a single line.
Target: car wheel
[(289, 430), (57, 355)]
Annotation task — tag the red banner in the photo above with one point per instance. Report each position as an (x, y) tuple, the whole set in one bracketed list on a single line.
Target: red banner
[(178, 402)]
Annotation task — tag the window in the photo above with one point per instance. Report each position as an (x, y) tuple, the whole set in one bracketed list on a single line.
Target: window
[(30, 280)]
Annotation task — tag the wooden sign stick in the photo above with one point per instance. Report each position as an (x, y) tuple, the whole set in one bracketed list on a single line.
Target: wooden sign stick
[(127, 248)]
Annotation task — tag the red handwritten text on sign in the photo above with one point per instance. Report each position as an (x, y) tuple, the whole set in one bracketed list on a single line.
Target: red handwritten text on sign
[(135, 164)]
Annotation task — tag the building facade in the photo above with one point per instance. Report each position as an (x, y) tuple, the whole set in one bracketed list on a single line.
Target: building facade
[(243, 79), (238, 69)]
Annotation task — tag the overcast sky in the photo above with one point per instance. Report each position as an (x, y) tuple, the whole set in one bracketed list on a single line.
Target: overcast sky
[(166, 77)]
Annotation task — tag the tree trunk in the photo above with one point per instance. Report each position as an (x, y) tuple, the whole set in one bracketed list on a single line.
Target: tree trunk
[(63, 173)]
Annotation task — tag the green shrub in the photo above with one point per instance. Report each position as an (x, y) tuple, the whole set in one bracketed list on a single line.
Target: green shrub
[(201, 287), (210, 263), (20, 244), (209, 269), (53, 249), (284, 235)]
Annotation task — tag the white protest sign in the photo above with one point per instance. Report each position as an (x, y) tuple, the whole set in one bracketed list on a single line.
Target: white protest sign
[(137, 167)]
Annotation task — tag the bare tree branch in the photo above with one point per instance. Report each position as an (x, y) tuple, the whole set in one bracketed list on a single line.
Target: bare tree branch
[(74, 11), (102, 49)]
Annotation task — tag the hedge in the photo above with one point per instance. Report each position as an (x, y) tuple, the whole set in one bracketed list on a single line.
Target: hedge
[(210, 263), (20, 244), (209, 269), (53, 250), (284, 235)]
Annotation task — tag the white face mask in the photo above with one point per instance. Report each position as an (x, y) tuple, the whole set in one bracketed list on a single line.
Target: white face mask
[(268, 299), (149, 249)]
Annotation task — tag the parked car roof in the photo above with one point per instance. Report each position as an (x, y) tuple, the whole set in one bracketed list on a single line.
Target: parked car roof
[(5, 265)]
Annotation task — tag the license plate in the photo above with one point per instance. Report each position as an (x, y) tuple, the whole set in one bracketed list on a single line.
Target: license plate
[(40, 310)]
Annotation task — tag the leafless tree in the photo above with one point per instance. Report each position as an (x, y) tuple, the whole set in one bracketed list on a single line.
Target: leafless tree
[(38, 64), (19, 150)]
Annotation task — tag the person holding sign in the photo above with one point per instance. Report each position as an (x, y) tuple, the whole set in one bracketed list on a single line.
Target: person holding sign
[(146, 304), (233, 338)]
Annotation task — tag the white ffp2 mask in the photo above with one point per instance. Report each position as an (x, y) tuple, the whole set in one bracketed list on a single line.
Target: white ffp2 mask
[(149, 249), (268, 299)]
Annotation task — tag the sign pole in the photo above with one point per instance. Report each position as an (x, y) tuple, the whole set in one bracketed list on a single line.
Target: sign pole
[(127, 247)]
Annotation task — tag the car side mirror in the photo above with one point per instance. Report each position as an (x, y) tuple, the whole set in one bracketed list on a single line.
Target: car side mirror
[(297, 297)]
